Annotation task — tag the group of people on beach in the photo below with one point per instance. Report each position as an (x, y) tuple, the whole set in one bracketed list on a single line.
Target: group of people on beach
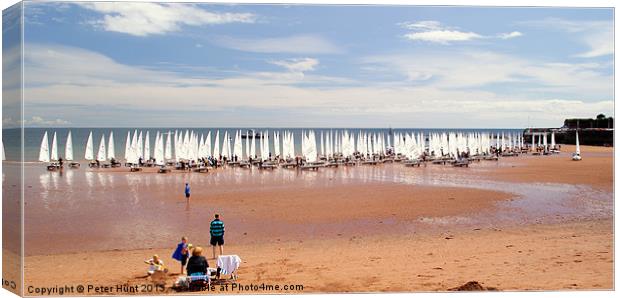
[(191, 257), (197, 264)]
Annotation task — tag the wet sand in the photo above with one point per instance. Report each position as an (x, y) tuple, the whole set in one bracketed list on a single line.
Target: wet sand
[(384, 228), (596, 170)]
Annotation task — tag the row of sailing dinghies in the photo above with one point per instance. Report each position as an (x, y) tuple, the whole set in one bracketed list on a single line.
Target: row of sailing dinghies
[(47, 155), (188, 146)]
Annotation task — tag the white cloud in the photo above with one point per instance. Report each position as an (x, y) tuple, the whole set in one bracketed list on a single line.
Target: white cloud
[(435, 32), (143, 19), (471, 69), (442, 36), (599, 42), (296, 44), (298, 64), (597, 36), (35, 121), (510, 35), (80, 81), (423, 25)]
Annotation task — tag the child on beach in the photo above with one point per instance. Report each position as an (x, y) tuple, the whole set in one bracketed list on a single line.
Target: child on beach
[(187, 190), (182, 252), (155, 264)]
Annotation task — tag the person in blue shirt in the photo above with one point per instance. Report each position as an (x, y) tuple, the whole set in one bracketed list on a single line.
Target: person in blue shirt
[(182, 253), (217, 234), (187, 191)]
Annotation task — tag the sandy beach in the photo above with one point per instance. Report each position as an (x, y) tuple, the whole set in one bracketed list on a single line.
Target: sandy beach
[(522, 223)]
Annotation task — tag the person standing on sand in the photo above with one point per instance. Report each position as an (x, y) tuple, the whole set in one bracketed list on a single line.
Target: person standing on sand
[(187, 191), (182, 253), (217, 234)]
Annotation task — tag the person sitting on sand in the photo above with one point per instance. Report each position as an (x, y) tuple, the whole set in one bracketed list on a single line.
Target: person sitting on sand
[(217, 234), (182, 252), (155, 264), (197, 264)]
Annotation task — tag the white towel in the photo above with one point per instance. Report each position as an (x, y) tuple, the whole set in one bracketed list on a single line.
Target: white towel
[(228, 264)]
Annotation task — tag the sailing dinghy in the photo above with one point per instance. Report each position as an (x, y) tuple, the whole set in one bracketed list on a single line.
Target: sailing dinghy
[(69, 152), (44, 153), (577, 154)]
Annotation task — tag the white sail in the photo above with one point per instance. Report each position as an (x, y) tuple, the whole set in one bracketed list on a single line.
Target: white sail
[(247, 145), (3, 154), (158, 152), (69, 147), (101, 156), (577, 148), (261, 146), (238, 146), (216, 148), (266, 144), (89, 153), (127, 145), (134, 146), (176, 145), (54, 152), (111, 151), (201, 147), (312, 151), (208, 145), (140, 146), (322, 144), (193, 147), (168, 151), (276, 143), (162, 150), (553, 139), (147, 146), (44, 151), (132, 156), (226, 145), (292, 144), (253, 146)]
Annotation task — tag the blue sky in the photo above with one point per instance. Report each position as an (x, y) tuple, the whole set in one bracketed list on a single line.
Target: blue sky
[(154, 64)]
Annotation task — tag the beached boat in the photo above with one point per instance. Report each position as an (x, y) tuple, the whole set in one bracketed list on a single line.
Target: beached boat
[(101, 153), (69, 152), (577, 154), (89, 153), (44, 151), (54, 151)]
